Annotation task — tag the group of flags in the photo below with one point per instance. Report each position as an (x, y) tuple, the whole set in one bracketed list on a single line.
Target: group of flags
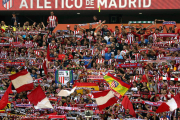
[(22, 81)]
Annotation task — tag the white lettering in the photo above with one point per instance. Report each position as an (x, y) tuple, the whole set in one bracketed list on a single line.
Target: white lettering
[(132, 2), (23, 4), (101, 3), (139, 3), (38, 6), (122, 6), (92, 2), (46, 4), (88, 2), (144, 3), (56, 3), (80, 5), (31, 4), (68, 5), (62, 2), (112, 3)]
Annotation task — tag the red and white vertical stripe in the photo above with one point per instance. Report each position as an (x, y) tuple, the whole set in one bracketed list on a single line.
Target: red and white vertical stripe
[(61, 80), (52, 20), (8, 4)]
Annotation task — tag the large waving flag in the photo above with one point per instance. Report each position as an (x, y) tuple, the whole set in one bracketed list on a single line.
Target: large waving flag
[(22, 81), (128, 105), (104, 99), (86, 86), (118, 86), (39, 99), (4, 99), (66, 93), (170, 105)]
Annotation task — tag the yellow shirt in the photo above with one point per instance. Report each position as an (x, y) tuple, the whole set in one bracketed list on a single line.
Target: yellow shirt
[(14, 29), (4, 27)]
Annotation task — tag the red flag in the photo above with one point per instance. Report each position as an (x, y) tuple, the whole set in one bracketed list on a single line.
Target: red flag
[(48, 54), (128, 105), (4, 99)]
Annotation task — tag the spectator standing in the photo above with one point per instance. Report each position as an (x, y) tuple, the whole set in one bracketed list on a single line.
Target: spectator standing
[(14, 19), (52, 21)]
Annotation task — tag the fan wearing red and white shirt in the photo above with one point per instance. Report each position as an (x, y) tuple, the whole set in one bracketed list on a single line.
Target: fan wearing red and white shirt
[(130, 37), (160, 55), (76, 32), (136, 54), (100, 60), (52, 21), (53, 44)]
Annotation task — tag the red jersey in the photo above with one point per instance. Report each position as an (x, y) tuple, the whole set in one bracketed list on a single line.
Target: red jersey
[(52, 20)]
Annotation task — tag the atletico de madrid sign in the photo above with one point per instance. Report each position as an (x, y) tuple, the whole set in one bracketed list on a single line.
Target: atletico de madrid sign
[(88, 4)]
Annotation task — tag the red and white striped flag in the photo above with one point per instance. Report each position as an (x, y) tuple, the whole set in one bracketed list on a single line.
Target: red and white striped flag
[(104, 99), (39, 99), (22, 81)]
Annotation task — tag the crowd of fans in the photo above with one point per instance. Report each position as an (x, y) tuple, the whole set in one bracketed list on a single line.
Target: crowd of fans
[(97, 49)]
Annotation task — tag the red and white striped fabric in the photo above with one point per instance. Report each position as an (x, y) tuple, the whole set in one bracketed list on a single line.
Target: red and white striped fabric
[(104, 99), (110, 61), (137, 56), (168, 78), (52, 20), (39, 99), (102, 52), (61, 80), (3, 54), (76, 32), (100, 60), (126, 41), (171, 105), (154, 37), (22, 81), (130, 37)]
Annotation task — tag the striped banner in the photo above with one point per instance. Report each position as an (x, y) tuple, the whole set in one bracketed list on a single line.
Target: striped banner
[(171, 79), (166, 35), (169, 23), (144, 22)]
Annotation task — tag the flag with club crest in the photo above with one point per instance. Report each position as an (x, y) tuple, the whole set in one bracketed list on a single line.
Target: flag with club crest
[(118, 86)]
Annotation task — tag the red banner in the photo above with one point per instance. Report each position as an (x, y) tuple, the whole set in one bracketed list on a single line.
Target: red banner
[(88, 4)]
